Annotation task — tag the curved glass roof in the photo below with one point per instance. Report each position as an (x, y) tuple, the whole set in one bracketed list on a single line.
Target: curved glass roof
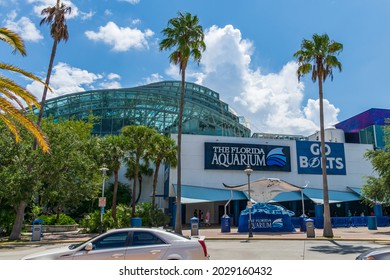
[(154, 105)]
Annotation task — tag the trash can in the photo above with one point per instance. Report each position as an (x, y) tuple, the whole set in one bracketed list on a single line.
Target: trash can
[(371, 222), (194, 226), (37, 230), (136, 222), (310, 232), (225, 223)]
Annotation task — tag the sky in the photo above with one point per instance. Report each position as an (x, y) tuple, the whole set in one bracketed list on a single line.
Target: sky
[(248, 59)]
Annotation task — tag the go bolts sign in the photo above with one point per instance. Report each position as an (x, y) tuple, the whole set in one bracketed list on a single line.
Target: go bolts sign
[(228, 156), (309, 158)]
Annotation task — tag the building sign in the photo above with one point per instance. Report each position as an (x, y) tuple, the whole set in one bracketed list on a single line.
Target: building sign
[(228, 156), (309, 158)]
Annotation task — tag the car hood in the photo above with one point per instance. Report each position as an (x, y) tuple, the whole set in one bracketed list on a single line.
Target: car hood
[(50, 254)]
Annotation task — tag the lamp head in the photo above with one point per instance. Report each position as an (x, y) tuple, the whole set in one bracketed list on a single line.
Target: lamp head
[(248, 170)]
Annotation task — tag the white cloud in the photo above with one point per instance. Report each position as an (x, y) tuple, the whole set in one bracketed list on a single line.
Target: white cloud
[(121, 38), (67, 79), (85, 16), (111, 81), (312, 110), (272, 102), (130, 1), (24, 27), (154, 78)]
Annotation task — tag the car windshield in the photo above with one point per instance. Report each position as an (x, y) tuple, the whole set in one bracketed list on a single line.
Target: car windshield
[(74, 246)]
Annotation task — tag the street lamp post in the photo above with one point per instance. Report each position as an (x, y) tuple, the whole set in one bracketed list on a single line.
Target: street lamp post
[(248, 170), (102, 199)]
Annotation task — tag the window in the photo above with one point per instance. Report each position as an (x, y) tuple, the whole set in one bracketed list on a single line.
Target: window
[(142, 238), (115, 240)]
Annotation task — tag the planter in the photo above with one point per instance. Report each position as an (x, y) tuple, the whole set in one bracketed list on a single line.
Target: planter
[(55, 228)]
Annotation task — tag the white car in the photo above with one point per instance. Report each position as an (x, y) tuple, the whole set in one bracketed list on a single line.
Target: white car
[(130, 244), (375, 254)]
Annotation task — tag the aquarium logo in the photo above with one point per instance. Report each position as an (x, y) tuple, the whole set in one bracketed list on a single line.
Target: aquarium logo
[(276, 157), (278, 223)]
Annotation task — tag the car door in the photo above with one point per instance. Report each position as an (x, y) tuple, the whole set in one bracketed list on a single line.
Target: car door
[(109, 247), (146, 245)]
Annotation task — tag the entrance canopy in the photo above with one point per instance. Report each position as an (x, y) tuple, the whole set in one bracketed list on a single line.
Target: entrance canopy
[(317, 196), (264, 190), (195, 194)]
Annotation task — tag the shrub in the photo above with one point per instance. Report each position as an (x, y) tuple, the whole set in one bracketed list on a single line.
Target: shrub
[(151, 216), (91, 222), (52, 220)]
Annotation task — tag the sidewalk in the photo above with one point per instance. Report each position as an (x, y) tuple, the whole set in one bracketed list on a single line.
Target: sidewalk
[(380, 235)]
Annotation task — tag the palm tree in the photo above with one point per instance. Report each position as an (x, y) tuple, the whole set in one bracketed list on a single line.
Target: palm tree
[(114, 150), (137, 144), (13, 95), (143, 170), (59, 31), (319, 57), (184, 33), (163, 150)]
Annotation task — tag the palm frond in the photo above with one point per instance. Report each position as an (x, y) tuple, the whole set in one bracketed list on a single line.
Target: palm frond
[(10, 112), (14, 40)]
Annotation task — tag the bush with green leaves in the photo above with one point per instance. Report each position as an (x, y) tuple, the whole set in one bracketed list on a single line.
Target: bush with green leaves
[(52, 219), (91, 222), (151, 216)]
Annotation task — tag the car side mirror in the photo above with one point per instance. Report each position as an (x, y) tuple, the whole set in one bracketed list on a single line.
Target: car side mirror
[(89, 247)]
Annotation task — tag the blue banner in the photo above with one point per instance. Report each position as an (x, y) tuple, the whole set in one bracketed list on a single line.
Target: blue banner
[(229, 156), (309, 158)]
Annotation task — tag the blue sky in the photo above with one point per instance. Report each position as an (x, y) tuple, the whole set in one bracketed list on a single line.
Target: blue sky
[(114, 44)]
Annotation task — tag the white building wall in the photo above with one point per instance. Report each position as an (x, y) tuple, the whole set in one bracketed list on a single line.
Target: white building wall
[(193, 172)]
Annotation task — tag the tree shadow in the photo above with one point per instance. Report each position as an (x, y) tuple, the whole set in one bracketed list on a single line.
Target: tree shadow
[(337, 248)]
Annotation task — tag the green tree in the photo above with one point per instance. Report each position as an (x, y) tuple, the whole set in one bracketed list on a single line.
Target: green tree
[(137, 144), (19, 177), (377, 188), (56, 17), (114, 152), (185, 34), (319, 56), (163, 150), (13, 95), (70, 173)]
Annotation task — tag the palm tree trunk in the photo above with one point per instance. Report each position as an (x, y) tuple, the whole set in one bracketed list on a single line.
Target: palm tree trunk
[(328, 232), (53, 54), (18, 224), (155, 183), (140, 188), (134, 186), (178, 224), (114, 195)]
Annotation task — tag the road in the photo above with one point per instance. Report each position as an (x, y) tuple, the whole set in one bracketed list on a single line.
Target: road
[(241, 250), (287, 249)]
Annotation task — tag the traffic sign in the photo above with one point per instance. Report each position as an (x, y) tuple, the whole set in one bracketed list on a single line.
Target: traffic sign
[(102, 202)]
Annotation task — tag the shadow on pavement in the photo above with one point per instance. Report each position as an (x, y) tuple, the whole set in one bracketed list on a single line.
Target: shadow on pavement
[(342, 249)]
